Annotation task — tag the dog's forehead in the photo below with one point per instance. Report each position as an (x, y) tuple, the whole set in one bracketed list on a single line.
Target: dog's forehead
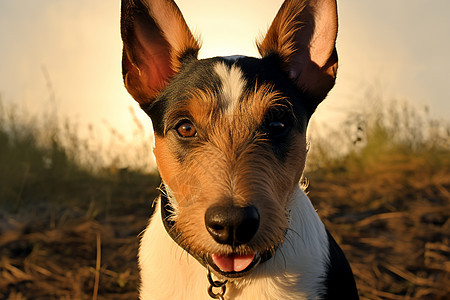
[(226, 81)]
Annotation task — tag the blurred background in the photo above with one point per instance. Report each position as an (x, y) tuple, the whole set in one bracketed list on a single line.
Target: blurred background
[(77, 176)]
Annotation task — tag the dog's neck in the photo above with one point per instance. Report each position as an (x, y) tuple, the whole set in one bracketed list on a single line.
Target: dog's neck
[(305, 248)]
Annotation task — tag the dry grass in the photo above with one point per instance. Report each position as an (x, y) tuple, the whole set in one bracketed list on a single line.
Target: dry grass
[(394, 228), (61, 263), (70, 231), (387, 200), (51, 251)]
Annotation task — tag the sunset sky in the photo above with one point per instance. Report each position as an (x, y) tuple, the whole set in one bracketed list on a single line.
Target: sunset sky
[(398, 49)]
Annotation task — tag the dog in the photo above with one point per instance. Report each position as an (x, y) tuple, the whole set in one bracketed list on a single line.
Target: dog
[(230, 144)]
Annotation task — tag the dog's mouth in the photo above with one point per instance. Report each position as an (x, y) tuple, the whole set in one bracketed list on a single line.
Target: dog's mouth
[(233, 265)]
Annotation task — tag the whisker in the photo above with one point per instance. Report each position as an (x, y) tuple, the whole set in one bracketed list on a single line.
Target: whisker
[(290, 243), (284, 258), (296, 233)]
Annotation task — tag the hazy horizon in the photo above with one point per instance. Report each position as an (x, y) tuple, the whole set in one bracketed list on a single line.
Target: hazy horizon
[(397, 49)]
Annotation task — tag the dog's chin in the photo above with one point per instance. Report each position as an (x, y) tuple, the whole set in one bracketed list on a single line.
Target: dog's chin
[(233, 265)]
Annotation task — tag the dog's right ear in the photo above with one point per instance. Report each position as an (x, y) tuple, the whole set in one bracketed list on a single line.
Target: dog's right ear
[(156, 39), (303, 36)]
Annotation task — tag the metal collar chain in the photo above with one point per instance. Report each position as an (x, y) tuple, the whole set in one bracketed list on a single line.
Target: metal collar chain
[(216, 284)]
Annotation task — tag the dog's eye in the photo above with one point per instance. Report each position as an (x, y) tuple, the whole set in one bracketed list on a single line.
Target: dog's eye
[(277, 129), (186, 129)]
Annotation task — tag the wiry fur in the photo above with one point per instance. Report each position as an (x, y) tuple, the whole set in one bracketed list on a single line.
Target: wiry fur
[(303, 41), (247, 150), (232, 162), (233, 86), (280, 38), (295, 272)]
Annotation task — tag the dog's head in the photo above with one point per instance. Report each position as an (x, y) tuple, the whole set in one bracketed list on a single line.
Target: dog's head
[(230, 132)]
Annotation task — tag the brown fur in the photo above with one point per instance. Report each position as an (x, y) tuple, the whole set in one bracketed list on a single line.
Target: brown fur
[(175, 30), (231, 164), (280, 38), (156, 38), (305, 46), (243, 154)]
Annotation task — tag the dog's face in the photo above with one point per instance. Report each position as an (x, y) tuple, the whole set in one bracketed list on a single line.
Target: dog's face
[(230, 137), (230, 132)]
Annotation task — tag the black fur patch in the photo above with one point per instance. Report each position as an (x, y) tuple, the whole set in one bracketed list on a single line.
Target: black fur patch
[(340, 282), (200, 74), (194, 74)]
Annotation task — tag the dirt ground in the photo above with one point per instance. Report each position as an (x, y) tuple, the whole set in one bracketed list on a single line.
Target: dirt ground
[(396, 236)]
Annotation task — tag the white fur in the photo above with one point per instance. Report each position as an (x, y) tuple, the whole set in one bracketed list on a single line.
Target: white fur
[(233, 84), (296, 271)]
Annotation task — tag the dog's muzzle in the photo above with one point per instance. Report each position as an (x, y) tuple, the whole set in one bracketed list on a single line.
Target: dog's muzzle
[(225, 231), (232, 226)]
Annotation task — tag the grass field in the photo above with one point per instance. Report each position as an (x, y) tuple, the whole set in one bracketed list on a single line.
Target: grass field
[(69, 218)]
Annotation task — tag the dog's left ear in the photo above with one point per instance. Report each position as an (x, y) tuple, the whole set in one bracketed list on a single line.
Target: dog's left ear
[(155, 41), (303, 36)]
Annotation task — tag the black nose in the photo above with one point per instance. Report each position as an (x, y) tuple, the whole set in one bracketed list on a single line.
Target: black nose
[(232, 225)]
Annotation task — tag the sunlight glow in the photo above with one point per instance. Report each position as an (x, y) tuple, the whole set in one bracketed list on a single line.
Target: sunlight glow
[(79, 44)]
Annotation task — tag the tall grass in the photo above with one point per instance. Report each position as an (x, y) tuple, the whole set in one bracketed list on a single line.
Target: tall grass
[(46, 160), (382, 134)]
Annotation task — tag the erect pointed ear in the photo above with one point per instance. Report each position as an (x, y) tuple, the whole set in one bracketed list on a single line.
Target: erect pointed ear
[(155, 41), (303, 36)]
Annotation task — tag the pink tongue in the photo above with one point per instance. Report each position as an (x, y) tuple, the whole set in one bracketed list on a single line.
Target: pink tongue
[(233, 262)]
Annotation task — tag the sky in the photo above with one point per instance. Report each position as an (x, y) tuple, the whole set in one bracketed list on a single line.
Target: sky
[(72, 49)]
